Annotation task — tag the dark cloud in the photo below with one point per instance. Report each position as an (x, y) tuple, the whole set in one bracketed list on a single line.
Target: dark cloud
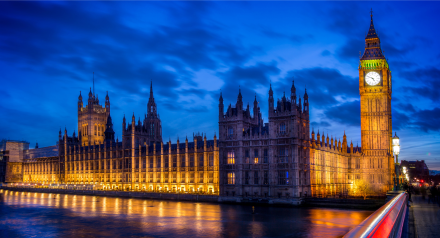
[(293, 38), (321, 124), (323, 85), (349, 52), (427, 120), (427, 79), (126, 58), (247, 77), (347, 113)]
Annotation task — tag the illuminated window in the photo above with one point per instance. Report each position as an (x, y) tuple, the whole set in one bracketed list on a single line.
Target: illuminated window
[(191, 161), (231, 178), (200, 160), (211, 160), (174, 162), (231, 157), (255, 156), (201, 177), (182, 162)]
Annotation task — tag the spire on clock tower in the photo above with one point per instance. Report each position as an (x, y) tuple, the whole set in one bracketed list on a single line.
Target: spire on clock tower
[(372, 43)]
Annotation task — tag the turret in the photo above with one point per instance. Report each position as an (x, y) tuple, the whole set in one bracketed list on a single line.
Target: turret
[(109, 133), (124, 124), (80, 101), (351, 147), (271, 100), (221, 107), (239, 104), (107, 103), (255, 110), (306, 102), (91, 99), (318, 138), (344, 143)]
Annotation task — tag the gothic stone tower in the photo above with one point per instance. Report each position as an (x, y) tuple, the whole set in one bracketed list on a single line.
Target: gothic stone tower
[(376, 125), (92, 119)]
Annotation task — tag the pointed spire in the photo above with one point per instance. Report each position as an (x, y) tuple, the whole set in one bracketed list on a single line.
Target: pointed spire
[(90, 93), (93, 83), (371, 32), (151, 90), (306, 96), (221, 97), (255, 100), (270, 89), (107, 97), (239, 94), (80, 98)]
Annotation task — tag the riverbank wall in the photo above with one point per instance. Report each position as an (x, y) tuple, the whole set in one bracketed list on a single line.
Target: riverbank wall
[(368, 204)]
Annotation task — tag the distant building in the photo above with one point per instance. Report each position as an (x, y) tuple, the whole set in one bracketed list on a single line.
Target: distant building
[(12, 152), (416, 169)]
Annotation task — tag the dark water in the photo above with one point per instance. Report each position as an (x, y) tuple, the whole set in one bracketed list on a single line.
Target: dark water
[(24, 214)]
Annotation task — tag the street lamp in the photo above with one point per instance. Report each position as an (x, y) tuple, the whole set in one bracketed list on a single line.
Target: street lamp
[(396, 151), (396, 146)]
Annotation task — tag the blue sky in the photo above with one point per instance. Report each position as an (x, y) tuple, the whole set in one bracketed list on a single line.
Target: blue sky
[(192, 50)]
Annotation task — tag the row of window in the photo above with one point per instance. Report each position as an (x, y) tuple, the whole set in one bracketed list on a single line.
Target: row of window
[(143, 163), (283, 156), (283, 178), (167, 177)]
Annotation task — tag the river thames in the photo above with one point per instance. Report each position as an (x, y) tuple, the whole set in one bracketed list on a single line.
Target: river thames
[(27, 214)]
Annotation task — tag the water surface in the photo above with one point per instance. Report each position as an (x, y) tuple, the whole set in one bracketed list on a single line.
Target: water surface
[(27, 214)]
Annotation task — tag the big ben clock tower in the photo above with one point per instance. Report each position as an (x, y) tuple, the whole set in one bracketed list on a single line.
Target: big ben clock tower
[(376, 125)]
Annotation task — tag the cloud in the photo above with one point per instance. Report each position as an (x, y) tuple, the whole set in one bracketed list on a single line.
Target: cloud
[(325, 53), (427, 78), (320, 124), (293, 37), (323, 85), (248, 78), (427, 120), (347, 113)]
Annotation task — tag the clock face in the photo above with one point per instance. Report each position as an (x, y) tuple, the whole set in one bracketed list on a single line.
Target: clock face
[(372, 78)]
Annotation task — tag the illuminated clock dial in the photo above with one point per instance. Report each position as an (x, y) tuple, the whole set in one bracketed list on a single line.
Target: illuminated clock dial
[(372, 78)]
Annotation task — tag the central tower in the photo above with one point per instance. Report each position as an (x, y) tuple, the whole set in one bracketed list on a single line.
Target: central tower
[(376, 125)]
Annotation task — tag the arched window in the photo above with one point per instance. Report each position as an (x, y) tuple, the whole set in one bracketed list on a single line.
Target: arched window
[(230, 132), (283, 128)]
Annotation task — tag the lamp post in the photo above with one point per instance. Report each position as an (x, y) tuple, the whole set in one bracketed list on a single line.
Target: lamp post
[(396, 151)]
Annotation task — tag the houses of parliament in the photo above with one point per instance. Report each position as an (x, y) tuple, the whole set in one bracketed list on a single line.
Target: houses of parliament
[(280, 158)]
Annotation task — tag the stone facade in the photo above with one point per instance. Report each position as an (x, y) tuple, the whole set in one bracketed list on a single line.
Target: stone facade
[(265, 159)]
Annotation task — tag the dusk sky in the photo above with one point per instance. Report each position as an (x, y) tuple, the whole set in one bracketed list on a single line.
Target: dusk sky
[(192, 50)]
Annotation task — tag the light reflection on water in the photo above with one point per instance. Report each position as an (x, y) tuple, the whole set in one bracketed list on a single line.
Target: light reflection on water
[(25, 214)]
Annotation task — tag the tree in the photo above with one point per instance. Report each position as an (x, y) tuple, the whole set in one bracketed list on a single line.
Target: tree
[(361, 187)]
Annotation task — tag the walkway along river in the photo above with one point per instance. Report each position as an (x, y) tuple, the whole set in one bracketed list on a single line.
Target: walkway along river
[(29, 214)]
